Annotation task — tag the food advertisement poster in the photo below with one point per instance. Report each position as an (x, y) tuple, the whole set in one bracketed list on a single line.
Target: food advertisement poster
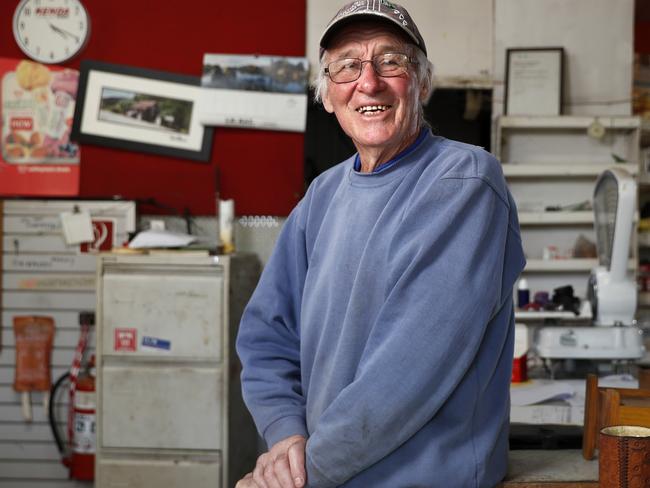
[(37, 102)]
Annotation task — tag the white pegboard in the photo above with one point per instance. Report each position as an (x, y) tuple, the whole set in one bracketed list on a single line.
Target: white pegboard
[(42, 275)]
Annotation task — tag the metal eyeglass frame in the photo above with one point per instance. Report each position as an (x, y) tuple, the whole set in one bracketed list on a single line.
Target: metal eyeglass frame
[(372, 61)]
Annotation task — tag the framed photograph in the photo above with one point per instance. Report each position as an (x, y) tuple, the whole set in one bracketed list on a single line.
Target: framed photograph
[(140, 110), (534, 81)]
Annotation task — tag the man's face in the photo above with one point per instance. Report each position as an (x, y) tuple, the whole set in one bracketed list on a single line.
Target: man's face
[(393, 126)]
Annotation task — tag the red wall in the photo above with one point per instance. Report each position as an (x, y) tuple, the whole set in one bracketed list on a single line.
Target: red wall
[(261, 170)]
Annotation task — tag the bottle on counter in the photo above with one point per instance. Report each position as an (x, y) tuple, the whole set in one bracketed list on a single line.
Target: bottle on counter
[(523, 293)]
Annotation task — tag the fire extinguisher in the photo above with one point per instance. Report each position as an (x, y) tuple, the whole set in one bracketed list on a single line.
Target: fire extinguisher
[(78, 453)]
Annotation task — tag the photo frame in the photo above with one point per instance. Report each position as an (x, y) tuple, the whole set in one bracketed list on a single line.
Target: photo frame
[(533, 82), (143, 110)]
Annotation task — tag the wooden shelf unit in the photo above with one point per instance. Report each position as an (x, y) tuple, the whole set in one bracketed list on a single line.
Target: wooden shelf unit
[(555, 162)]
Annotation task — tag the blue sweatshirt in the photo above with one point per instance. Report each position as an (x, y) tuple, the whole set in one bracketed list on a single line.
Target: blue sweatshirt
[(382, 326)]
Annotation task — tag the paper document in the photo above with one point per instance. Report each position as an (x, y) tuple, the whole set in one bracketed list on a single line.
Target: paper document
[(547, 414), (160, 238), (557, 402), (538, 392), (618, 381)]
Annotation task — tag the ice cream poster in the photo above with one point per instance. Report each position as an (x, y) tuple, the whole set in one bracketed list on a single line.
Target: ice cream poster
[(37, 103)]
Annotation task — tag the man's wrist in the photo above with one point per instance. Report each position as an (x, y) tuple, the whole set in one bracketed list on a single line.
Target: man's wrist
[(283, 428)]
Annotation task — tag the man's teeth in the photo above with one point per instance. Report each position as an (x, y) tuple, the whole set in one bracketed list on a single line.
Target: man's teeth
[(372, 108)]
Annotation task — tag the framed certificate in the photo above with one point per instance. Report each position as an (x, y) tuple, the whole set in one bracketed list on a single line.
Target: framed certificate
[(534, 81)]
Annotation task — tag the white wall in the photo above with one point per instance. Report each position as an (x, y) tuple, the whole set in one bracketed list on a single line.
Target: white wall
[(597, 36), (458, 35), (466, 40)]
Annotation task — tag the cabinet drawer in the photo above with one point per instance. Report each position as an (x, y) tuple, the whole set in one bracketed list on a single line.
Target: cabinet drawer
[(156, 473), (161, 407), (173, 315)]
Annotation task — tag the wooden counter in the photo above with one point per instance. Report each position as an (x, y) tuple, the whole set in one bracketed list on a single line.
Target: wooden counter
[(550, 469)]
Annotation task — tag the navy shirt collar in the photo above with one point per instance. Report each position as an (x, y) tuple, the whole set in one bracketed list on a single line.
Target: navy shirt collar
[(392, 162)]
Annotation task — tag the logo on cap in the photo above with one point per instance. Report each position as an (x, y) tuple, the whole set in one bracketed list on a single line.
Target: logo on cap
[(380, 8)]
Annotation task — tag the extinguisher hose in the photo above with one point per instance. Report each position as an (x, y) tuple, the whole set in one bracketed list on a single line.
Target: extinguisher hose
[(51, 417)]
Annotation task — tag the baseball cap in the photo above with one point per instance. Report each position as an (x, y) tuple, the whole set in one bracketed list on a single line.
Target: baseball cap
[(378, 9)]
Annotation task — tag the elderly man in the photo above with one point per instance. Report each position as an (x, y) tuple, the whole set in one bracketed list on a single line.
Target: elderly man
[(377, 347)]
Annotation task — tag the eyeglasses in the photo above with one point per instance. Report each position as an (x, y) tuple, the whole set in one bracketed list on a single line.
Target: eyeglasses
[(387, 65)]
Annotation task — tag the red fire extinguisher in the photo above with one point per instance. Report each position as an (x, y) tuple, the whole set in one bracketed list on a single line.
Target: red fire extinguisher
[(82, 457), (79, 451)]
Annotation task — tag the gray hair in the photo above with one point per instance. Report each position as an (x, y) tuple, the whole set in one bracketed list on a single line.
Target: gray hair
[(423, 75)]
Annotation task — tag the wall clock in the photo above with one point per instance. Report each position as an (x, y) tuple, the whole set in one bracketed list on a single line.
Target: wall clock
[(51, 31)]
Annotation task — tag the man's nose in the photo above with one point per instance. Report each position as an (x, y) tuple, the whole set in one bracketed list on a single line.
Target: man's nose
[(369, 79)]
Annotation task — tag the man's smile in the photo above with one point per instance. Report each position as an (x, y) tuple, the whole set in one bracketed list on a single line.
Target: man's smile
[(372, 109)]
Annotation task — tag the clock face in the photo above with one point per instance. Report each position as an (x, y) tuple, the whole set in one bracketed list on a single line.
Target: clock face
[(51, 31)]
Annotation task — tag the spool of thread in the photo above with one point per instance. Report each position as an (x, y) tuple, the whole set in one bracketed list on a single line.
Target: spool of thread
[(523, 293)]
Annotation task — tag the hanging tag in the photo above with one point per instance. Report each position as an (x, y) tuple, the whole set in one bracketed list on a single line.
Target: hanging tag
[(26, 406), (34, 338), (77, 227)]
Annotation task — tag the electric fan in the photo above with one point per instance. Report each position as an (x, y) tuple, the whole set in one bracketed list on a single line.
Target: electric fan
[(611, 288)]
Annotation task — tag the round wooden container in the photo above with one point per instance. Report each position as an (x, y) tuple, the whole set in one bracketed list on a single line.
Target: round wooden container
[(624, 459)]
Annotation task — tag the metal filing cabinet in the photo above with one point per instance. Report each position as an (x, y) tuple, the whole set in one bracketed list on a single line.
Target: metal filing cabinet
[(169, 407)]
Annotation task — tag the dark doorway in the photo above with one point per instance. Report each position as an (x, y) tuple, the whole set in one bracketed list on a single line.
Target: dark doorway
[(460, 114)]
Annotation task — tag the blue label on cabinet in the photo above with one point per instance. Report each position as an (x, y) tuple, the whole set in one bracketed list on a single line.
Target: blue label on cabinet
[(156, 343)]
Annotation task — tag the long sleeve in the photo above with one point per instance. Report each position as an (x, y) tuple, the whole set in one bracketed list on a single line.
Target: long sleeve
[(450, 271), (268, 341)]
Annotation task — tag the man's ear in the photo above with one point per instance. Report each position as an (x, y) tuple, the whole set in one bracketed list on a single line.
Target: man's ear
[(425, 94), (327, 103)]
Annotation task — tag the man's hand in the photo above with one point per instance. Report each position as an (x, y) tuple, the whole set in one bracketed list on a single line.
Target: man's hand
[(246, 482), (282, 467)]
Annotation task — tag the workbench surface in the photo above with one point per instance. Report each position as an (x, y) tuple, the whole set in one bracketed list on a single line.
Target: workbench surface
[(563, 468)]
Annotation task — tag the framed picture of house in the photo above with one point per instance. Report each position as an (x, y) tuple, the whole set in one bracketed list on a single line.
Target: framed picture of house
[(534, 79), (140, 110)]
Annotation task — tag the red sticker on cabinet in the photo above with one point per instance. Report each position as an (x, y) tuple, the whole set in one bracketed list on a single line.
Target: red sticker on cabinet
[(125, 340)]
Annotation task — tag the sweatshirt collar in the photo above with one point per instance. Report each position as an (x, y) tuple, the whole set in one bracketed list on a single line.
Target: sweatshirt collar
[(395, 160)]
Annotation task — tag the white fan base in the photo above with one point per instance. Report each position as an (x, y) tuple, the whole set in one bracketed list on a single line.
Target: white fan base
[(588, 342)]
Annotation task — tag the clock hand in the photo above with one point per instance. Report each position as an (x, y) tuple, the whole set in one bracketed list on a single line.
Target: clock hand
[(57, 30), (62, 32)]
